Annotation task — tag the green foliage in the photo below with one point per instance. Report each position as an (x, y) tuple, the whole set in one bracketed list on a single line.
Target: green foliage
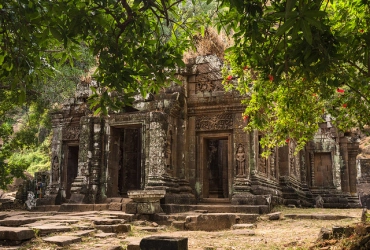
[(290, 57)]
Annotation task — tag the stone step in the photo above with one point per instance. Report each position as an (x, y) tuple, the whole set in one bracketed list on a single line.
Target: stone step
[(317, 216), (215, 201), (62, 240), (254, 209), (51, 228)]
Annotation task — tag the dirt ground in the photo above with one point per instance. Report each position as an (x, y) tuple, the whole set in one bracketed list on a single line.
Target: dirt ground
[(281, 234)]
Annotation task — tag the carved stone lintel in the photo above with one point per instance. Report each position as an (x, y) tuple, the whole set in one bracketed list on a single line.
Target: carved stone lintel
[(71, 133), (216, 122)]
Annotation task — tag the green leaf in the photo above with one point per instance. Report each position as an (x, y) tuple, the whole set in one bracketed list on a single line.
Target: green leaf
[(285, 27), (306, 31)]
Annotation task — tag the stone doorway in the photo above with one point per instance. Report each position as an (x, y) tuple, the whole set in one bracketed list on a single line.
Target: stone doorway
[(70, 169), (124, 161), (323, 170), (215, 172)]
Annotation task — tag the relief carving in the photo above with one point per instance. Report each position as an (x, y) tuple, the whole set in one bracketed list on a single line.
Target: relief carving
[(240, 161), (168, 152), (55, 170), (272, 163), (71, 133), (217, 122), (208, 86)]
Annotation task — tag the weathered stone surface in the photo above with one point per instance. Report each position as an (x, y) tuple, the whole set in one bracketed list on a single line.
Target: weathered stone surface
[(210, 222), (105, 235), (133, 243), (16, 233), (275, 216), (148, 229), (62, 240), (246, 232), (180, 225), (339, 232), (51, 228), (325, 234), (81, 233), (108, 221), (164, 242), (117, 228), (17, 221), (243, 226), (149, 208), (115, 206)]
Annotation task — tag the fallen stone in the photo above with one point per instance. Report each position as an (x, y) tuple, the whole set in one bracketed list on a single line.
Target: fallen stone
[(105, 235), (339, 232), (164, 242), (139, 223), (62, 240), (325, 234), (291, 206), (133, 243), (16, 233), (243, 226), (275, 216)]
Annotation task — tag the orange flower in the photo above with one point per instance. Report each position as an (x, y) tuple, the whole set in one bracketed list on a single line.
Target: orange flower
[(287, 140), (344, 105), (245, 68), (271, 78), (361, 30), (229, 77), (245, 117)]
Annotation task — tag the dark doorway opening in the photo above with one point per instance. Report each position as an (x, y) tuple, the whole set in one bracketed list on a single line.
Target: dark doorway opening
[(215, 181), (125, 161), (70, 172)]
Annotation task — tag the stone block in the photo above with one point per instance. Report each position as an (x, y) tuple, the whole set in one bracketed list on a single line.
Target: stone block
[(62, 240), (131, 208), (164, 242), (51, 228), (210, 222), (180, 225), (115, 206), (149, 208), (243, 226), (105, 235), (101, 207), (16, 233), (275, 216), (325, 234)]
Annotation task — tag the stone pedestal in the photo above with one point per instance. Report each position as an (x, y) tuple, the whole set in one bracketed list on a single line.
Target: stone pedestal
[(145, 201)]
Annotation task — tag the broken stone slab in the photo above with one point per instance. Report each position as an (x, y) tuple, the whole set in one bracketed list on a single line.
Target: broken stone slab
[(275, 216), (16, 221), (108, 221), (62, 240), (51, 228), (105, 235), (164, 242), (81, 233), (115, 206), (243, 226), (118, 228), (16, 233)]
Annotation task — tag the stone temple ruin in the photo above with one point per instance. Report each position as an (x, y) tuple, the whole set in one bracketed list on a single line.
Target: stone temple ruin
[(185, 146)]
